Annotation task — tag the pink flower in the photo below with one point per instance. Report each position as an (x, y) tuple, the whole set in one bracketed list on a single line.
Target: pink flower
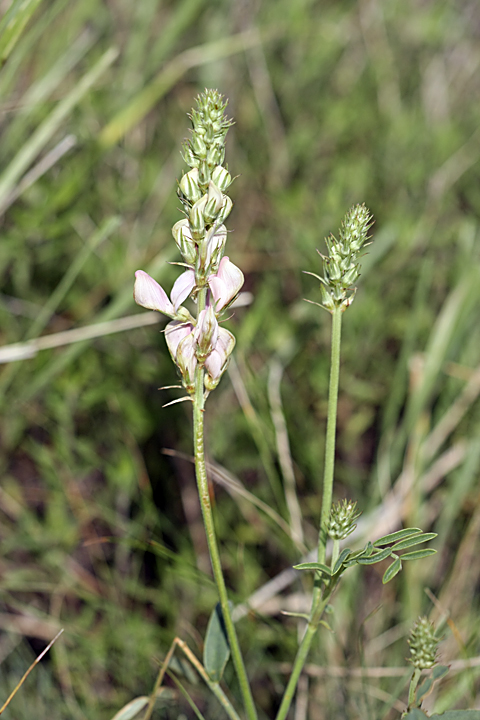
[(226, 283), (175, 332), (216, 363), (149, 294)]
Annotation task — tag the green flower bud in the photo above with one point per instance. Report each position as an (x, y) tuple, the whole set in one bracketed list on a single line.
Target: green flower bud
[(198, 146), (188, 186), (225, 211), (215, 202), (185, 243), (423, 644), (341, 269), (197, 218), (222, 178), (342, 519)]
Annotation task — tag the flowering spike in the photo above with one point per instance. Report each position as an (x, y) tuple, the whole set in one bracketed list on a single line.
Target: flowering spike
[(342, 519), (423, 644), (341, 267), (211, 279)]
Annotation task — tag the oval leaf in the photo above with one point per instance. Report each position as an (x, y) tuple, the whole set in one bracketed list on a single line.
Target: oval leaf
[(415, 540), (319, 567), (128, 712), (399, 535), (217, 650), (382, 555), (418, 554), (392, 570)]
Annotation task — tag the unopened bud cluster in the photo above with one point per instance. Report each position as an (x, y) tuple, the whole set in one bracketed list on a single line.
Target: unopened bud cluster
[(200, 236), (423, 644), (342, 519), (341, 266)]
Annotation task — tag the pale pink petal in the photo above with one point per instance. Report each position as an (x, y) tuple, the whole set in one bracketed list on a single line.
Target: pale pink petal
[(148, 293), (175, 332), (187, 361), (216, 362), (182, 288), (226, 283)]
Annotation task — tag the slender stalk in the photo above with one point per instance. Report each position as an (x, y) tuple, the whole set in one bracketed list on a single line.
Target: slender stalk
[(302, 655), (202, 484), (331, 432), (320, 598), (413, 686)]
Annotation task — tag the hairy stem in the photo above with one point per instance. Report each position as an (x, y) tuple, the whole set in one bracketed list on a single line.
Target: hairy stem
[(202, 484)]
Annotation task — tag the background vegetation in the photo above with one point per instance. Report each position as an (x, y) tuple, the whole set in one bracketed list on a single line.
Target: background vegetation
[(335, 102)]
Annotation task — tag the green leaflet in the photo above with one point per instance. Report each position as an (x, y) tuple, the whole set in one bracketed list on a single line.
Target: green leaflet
[(217, 650)]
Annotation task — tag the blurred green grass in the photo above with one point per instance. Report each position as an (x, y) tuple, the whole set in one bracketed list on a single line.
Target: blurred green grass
[(334, 103)]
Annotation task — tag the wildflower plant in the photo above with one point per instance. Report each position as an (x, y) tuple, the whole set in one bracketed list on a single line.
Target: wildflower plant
[(201, 348)]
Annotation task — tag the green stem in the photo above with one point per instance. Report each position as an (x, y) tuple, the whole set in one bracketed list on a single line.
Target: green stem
[(331, 432), (302, 654), (202, 484), (319, 598), (335, 553), (413, 686)]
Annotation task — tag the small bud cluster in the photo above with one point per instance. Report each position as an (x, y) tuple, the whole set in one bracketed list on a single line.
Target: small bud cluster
[(342, 519), (200, 237), (423, 644), (341, 267)]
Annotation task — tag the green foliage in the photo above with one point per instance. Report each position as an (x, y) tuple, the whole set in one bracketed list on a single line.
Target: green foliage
[(217, 650)]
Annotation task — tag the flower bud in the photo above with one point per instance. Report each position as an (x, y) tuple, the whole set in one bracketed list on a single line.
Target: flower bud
[(217, 362), (342, 519), (222, 178), (189, 156), (226, 210), (215, 201), (198, 146), (185, 243), (197, 219), (215, 155), (187, 362), (423, 644), (206, 333), (215, 240), (188, 185)]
